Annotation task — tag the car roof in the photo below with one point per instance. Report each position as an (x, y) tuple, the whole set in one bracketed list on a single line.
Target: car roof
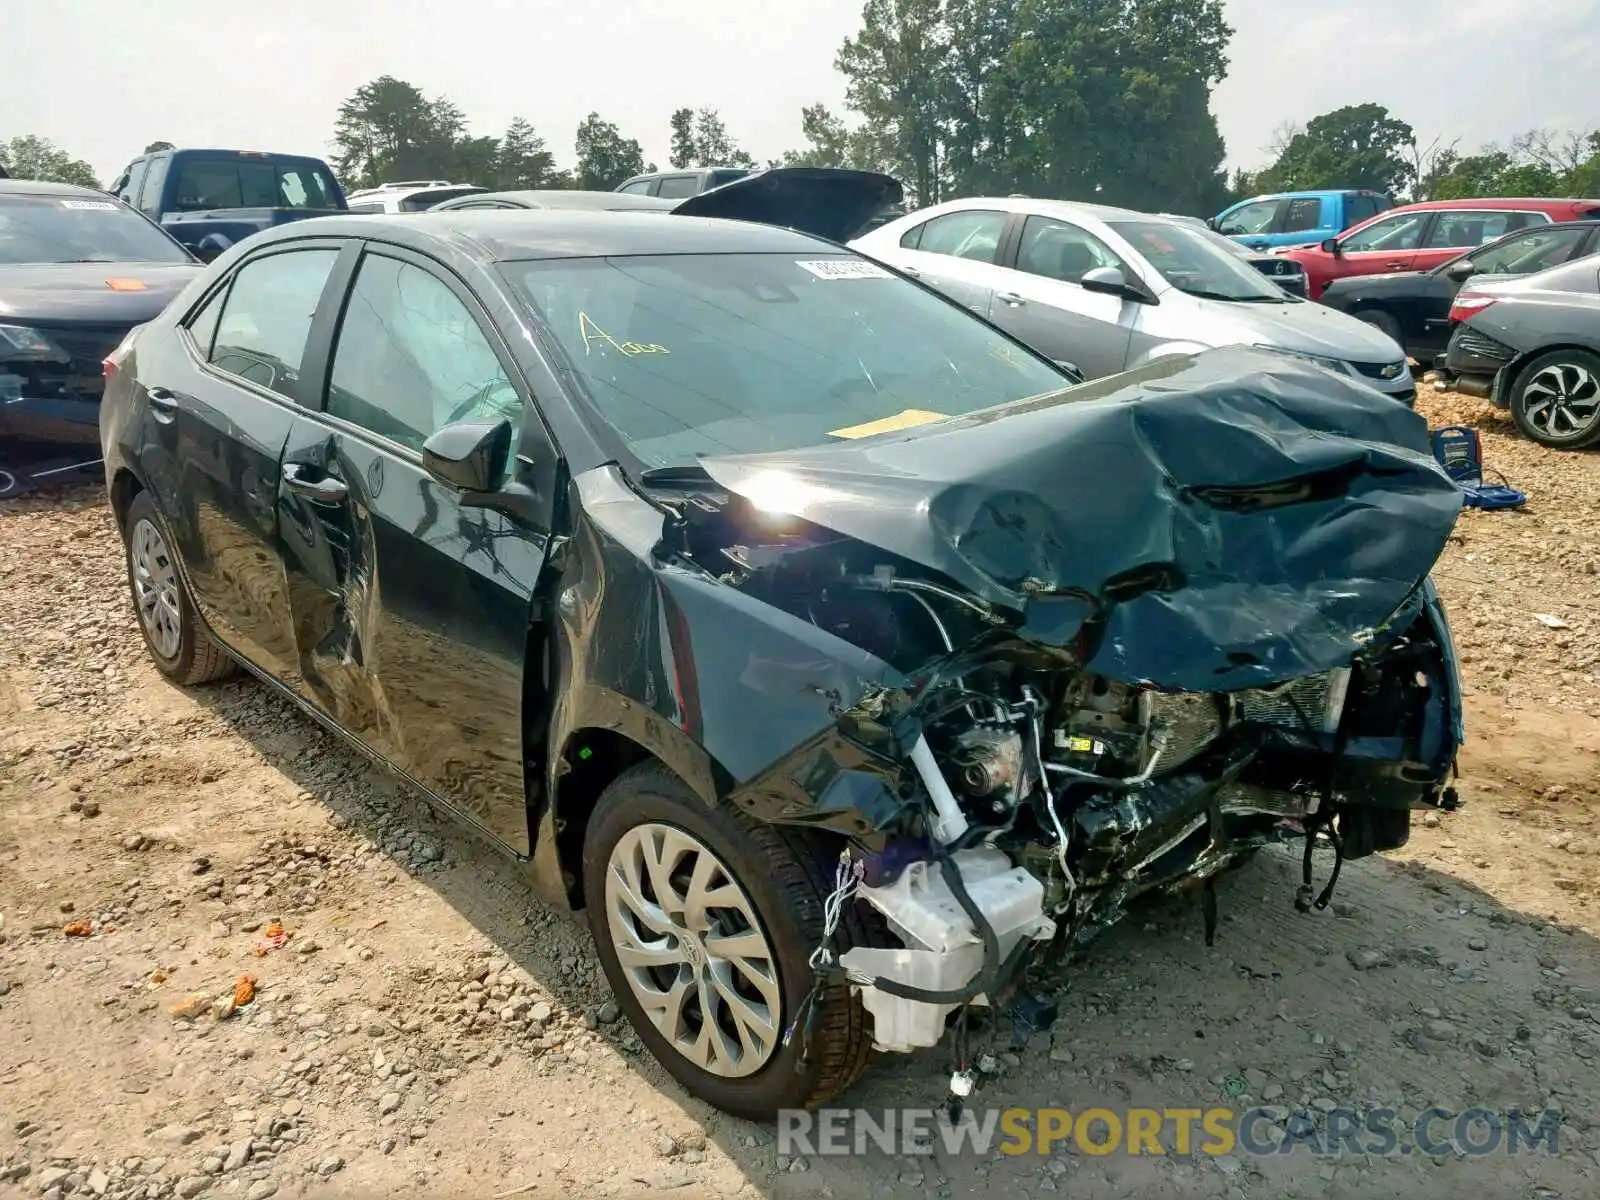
[(518, 234), (1077, 208), (40, 187), (1515, 203), (567, 198)]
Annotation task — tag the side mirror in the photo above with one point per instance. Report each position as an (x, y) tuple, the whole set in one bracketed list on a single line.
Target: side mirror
[(1329, 246), (1109, 281), (1068, 369), (469, 456), (1461, 271)]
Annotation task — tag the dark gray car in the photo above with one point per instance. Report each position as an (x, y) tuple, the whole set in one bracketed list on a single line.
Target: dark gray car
[(1532, 345)]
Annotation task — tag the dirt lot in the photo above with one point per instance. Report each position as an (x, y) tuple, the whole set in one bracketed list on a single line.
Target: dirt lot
[(427, 1029)]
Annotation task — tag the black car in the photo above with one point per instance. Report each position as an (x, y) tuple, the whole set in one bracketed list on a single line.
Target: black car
[(78, 270), (813, 636), (1285, 272), (1533, 345), (1413, 307)]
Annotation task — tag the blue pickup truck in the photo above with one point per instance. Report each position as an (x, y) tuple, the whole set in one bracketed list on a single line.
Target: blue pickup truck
[(209, 199), (1297, 218)]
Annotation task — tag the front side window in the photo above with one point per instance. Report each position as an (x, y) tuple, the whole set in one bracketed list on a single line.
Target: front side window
[(410, 359), (65, 229), (1057, 250), (1191, 262), (205, 183), (1252, 218), (1403, 232), (972, 233), (684, 355), (127, 187), (262, 333), (1532, 251), (639, 187)]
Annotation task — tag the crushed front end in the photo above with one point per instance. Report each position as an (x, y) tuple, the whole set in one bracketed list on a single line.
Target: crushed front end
[(1143, 633)]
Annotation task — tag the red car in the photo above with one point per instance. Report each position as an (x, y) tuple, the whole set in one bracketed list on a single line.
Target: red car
[(1418, 237)]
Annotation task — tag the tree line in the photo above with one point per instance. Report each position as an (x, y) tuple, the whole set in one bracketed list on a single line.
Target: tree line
[(1102, 100)]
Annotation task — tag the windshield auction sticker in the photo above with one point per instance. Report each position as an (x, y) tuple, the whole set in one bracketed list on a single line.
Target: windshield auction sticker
[(842, 268), (90, 205)]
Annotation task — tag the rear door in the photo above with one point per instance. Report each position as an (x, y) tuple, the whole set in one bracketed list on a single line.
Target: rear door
[(219, 412), (1039, 300), (1457, 229), (411, 603), (957, 253), (1302, 220)]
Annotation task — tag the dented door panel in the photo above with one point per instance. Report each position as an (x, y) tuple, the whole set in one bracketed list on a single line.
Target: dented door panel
[(411, 616)]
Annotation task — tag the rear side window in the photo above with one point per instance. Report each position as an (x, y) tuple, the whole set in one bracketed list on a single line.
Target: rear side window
[(411, 358), (203, 325), (261, 335), (1304, 213), (974, 234), (1358, 207), (250, 183), (1464, 230), (678, 187)]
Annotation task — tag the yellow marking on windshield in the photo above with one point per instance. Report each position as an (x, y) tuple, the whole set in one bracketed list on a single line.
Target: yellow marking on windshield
[(906, 419), (590, 332)]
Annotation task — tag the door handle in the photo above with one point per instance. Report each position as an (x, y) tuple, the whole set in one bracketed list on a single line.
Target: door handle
[(315, 485), (1395, 266), (1010, 298), (161, 398)]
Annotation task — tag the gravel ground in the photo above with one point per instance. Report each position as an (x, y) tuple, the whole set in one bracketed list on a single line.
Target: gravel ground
[(426, 1028)]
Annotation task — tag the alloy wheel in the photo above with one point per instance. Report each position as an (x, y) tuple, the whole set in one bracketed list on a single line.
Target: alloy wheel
[(1562, 400), (692, 948), (155, 588)]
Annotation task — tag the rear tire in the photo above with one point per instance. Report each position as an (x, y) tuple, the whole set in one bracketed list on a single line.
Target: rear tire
[(182, 650), (769, 884), (1555, 400)]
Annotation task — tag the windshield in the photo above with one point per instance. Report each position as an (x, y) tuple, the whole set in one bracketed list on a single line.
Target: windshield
[(684, 355), (252, 183), (59, 229), (1187, 259)]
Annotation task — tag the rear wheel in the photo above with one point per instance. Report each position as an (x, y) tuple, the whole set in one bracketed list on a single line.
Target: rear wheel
[(1556, 399), (704, 921), (183, 651)]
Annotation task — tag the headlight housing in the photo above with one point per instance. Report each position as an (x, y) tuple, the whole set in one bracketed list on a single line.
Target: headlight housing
[(22, 343), (1331, 364)]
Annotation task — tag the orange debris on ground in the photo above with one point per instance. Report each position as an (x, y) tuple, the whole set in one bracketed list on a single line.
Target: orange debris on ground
[(244, 991), (273, 937), (78, 929)]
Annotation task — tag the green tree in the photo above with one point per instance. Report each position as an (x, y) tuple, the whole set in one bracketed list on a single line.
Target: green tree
[(523, 160), (388, 129), (700, 139), (832, 143), (30, 157), (1360, 145), (605, 157), (895, 76)]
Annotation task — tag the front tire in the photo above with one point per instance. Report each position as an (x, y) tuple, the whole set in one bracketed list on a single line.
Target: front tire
[(182, 651), (705, 921), (1381, 320), (1556, 400)]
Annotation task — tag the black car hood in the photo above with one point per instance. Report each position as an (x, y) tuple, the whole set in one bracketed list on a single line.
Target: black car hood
[(1207, 523), (59, 293), (827, 202)]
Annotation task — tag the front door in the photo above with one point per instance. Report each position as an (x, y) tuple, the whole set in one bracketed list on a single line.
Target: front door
[(411, 607), (1387, 244), (1040, 301), (221, 403)]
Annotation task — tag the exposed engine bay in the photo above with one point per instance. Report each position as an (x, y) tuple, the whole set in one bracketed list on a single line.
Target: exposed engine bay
[(1045, 796)]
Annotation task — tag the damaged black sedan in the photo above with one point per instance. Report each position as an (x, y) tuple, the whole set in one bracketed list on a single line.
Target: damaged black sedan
[(817, 639)]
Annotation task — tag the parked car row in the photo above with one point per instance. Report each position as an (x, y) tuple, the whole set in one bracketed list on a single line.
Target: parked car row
[(827, 645)]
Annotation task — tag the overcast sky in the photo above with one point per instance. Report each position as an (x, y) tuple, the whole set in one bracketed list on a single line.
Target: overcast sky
[(104, 77)]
